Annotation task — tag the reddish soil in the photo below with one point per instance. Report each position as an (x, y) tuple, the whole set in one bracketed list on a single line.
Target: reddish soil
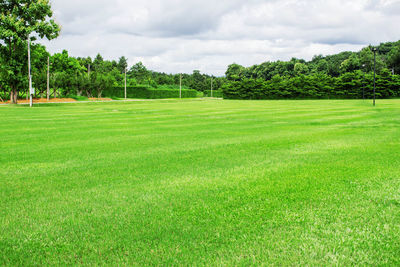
[(44, 100), (54, 100)]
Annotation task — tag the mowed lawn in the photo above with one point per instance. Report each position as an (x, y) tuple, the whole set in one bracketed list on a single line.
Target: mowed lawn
[(201, 182)]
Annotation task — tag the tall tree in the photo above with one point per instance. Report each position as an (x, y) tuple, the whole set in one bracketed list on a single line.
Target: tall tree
[(98, 63), (300, 68), (19, 19), (234, 72), (122, 64), (394, 59), (139, 72)]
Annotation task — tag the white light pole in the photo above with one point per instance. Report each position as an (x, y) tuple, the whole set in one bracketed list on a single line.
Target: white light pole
[(48, 78), (29, 72)]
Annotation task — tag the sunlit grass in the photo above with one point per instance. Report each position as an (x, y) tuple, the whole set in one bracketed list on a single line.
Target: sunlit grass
[(201, 182)]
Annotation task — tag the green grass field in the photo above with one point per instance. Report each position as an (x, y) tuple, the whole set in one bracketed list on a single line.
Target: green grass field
[(201, 182)]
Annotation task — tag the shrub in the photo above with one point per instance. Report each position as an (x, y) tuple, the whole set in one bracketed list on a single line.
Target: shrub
[(315, 86), (145, 92), (215, 93)]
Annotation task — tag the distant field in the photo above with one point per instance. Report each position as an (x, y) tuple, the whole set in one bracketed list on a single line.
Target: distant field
[(201, 182)]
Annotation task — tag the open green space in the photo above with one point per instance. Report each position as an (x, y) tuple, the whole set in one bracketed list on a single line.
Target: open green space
[(201, 182)]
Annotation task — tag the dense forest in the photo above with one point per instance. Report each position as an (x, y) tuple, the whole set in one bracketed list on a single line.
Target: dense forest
[(344, 75)]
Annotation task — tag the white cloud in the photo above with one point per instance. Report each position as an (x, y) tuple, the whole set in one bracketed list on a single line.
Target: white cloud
[(180, 36)]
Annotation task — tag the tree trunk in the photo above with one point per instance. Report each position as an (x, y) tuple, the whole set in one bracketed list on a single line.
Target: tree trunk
[(14, 96), (4, 95)]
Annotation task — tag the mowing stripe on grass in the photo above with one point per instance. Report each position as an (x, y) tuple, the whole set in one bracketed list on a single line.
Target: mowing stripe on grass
[(201, 183)]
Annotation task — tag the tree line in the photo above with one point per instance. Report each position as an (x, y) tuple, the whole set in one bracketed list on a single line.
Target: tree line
[(67, 76), (344, 75), (77, 76)]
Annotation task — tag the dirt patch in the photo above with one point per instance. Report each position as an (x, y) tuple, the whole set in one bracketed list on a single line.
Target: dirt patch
[(54, 100), (44, 100)]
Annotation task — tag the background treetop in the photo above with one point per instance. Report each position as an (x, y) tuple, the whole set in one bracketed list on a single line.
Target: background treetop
[(20, 18)]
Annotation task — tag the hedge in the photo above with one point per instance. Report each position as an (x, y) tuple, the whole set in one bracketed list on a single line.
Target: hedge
[(316, 86), (145, 92), (215, 93)]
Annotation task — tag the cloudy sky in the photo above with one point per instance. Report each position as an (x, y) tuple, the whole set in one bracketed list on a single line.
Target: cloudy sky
[(182, 35)]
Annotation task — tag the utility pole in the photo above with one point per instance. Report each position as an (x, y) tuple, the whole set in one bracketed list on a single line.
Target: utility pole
[(180, 85), (125, 84), (29, 72), (48, 78)]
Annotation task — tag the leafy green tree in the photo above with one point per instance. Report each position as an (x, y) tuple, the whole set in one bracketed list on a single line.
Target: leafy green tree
[(351, 64), (85, 62), (322, 66), (64, 71), (300, 68), (62, 83), (82, 82), (234, 72), (62, 62), (39, 67), (367, 60), (19, 19), (122, 64), (394, 59), (385, 86), (198, 81), (98, 63), (140, 73)]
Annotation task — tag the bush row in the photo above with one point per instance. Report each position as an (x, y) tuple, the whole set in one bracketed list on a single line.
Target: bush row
[(145, 92), (351, 85), (215, 93)]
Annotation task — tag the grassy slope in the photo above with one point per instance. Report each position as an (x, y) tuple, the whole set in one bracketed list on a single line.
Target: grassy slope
[(205, 182)]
